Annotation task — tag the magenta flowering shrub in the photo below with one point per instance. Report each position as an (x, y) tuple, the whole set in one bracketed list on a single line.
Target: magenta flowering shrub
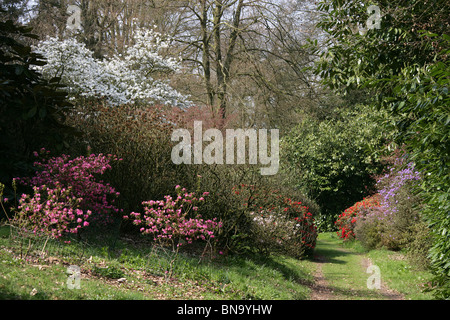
[(169, 220), (51, 212), (77, 177)]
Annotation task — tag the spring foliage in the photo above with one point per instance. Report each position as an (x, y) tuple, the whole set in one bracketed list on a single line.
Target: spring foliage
[(334, 160)]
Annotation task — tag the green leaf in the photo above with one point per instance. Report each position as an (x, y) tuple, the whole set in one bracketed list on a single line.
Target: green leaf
[(42, 112), (32, 112), (19, 70)]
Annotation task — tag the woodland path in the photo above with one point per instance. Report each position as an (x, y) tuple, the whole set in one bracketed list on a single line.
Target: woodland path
[(341, 274)]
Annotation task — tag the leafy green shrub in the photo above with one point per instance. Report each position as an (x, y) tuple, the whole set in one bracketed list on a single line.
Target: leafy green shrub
[(423, 91), (141, 136), (225, 205), (334, 160), (420, 244), (325, 223), (368, 232), (279, 224), (237, 192), (276, 232)]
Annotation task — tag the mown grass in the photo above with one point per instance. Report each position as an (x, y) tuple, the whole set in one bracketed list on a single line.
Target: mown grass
[(343, 270), (131, 271), (399, 274), (348, 277)]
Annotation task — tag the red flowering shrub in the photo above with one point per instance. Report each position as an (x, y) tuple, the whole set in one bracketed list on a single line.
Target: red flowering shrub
[(347, 220)]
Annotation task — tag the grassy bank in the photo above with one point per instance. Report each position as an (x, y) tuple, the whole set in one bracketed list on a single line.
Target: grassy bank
[(134, 271), (401, 275)]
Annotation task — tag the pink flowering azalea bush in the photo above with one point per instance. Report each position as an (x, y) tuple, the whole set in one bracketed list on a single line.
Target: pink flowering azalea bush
[(175, 220), (80, 175), (67, 195), (51, 212)]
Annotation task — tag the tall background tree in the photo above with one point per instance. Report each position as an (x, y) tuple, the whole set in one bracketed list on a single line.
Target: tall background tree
[(245, 57), (240, 57)]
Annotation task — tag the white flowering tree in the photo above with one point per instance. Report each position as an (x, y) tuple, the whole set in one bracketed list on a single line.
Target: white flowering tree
[(122, 78)]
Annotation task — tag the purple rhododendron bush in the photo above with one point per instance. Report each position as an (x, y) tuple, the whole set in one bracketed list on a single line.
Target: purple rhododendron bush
[(391, 217)]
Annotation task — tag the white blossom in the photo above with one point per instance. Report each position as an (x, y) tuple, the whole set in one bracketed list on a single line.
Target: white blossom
[(122, 78)]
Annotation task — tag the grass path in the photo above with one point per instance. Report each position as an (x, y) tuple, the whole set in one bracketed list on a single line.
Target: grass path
[(342, 273)]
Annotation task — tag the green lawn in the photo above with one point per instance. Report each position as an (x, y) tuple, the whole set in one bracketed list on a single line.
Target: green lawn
[(146, 274), (400, 275)]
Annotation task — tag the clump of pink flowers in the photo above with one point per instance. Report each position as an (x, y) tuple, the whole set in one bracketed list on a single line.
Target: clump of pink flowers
[(168, 220), (71, 191), (51, 211)]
